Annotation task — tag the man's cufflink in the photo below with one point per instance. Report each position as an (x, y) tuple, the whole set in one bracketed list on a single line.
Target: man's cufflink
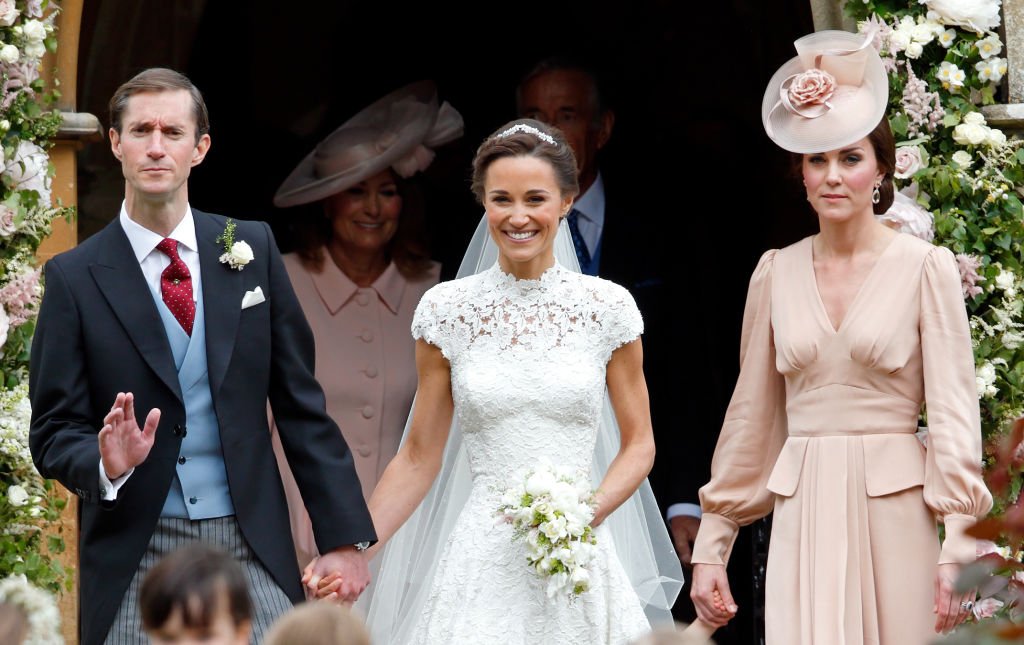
[(362, 546)]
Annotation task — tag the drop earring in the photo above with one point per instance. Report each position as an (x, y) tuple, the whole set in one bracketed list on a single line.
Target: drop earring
[(876, 195)]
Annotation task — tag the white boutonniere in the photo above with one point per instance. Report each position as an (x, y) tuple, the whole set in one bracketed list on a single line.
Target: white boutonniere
[(236, 254)]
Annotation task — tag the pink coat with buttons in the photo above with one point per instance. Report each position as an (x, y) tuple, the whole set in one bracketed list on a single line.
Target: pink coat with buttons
[(365, 361)]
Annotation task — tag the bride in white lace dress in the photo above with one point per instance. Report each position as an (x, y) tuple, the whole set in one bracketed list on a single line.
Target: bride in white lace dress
[(522, 354)]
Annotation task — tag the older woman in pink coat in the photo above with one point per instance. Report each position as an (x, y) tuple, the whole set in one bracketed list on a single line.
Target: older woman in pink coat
[(359, 271)]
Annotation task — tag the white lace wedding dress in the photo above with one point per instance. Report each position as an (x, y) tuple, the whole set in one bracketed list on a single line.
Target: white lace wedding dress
[(528, 361)]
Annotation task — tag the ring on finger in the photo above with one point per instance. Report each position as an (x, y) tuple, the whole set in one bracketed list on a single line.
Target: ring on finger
[(967, 605)]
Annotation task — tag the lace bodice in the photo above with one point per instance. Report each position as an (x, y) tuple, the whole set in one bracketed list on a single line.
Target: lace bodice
[(528, 361)]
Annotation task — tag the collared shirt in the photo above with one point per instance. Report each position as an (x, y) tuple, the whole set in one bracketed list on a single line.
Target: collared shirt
[(590, 206), (153, 262)]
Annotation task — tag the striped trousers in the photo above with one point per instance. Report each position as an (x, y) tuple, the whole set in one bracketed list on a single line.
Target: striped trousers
[(268, 600)]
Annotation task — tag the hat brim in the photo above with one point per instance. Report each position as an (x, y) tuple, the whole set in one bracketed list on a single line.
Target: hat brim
[(303, 185), (856, 110)]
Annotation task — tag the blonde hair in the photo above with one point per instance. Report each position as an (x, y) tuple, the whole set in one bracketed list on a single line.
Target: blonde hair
[(318, 623)]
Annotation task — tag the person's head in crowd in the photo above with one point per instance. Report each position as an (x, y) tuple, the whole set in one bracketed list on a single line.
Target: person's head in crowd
[(197, 594), (13, 624), (674, 635), (362, 175), (159, 131), (318, 623), (568, 95), (524, 175)]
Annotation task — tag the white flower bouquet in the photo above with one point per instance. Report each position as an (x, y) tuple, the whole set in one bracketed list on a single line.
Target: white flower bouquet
[(551, 509)]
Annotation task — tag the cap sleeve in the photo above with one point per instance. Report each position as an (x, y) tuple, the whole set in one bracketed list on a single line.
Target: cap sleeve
[(953, 484), (753, 432), (622, 322), (431, 320)]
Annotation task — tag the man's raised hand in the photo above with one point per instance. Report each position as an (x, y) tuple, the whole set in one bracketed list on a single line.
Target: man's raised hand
[(123, 445)]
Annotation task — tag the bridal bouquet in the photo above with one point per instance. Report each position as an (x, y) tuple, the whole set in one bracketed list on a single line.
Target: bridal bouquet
[(551, 508)]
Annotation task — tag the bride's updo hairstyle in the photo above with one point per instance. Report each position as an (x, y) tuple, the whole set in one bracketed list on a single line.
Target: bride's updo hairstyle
[(527, 138)]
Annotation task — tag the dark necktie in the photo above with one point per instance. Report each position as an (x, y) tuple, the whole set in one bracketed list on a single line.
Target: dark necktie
[(582, 254), (176, 286)]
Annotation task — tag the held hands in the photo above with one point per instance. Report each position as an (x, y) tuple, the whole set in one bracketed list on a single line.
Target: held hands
[(711, 595), (951, 607), (684, 532), (123, 445), (338, 576)]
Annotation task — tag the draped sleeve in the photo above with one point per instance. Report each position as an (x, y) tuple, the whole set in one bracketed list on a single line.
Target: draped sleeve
[(953, 485), (752, 434)]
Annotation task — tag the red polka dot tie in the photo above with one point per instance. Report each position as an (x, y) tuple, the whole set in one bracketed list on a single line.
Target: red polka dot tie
[(176, 286)]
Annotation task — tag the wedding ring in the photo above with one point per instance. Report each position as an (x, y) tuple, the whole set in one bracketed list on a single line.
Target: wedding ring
[(966, 605)]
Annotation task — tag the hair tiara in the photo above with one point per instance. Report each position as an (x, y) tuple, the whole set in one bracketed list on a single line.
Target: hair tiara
[(529, 129)]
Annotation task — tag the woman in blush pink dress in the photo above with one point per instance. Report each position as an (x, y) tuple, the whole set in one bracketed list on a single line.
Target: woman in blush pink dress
[(846, 335), (359, 271)]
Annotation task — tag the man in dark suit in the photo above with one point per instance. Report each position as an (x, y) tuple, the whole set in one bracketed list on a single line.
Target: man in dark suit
[(622, 232), (191, 317)]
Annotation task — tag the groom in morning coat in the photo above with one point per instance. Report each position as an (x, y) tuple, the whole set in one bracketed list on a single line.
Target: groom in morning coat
[(148, 314)]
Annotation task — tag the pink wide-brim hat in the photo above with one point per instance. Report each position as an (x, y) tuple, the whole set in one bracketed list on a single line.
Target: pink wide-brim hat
[(397, 131), (856, 104)]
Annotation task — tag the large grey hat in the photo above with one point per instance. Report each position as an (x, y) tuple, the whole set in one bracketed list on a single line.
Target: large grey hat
[(396, 131), (834, 92)]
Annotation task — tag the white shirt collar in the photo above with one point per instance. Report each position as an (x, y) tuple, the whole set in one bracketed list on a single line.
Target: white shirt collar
[(144, 241), (591, 203)]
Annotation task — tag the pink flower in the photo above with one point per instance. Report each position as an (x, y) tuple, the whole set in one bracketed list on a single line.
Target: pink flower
[(987, 607), (906, 216), (969, 265), (20, 296), (984, 547), (813, 87), (908, 161)]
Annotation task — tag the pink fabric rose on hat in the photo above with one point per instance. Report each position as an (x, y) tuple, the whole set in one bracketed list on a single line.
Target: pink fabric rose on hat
[(812, 87)]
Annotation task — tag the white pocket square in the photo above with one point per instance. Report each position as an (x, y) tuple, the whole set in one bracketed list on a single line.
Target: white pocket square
[(253, 297)]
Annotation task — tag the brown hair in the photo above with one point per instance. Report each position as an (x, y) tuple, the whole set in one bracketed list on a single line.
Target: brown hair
[(527, 144), (159, 79), (195, 579), (884, 145), (407, 249), (318, 623)]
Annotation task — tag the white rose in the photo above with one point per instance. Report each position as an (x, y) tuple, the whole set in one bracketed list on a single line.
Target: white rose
[(241, 253), (17, 495), (996, 138), (899, 40), (539, 483), (554, 529), (970, 134), (9, 54), (1005, 281), (34, 31), (963, 158), (563, 495), (974, 118), (28, 170), (979, 15), (8, 13), (914, 50), (35, 49)]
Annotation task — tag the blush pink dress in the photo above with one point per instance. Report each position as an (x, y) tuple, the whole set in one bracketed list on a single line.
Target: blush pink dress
[(821, 430)]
